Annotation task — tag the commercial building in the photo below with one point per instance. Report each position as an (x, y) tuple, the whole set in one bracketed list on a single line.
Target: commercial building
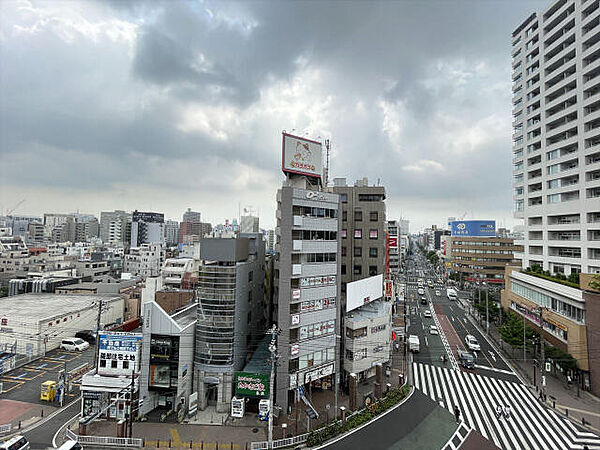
[(33, 324), (191, 232), (144, 261), (404, 227), (115, 227), (561, 313), (556, 136), (363, 241), (231, 314), (483, 258), (147, 228), (367, 338), (307, 274), (167, 358), (174, 271), (171, 232)]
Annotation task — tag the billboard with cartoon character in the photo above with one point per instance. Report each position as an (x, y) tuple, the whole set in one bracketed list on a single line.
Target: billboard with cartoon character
[(301, 156)]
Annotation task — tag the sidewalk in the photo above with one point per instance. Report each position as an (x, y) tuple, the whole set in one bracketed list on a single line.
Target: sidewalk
[(580, 404)]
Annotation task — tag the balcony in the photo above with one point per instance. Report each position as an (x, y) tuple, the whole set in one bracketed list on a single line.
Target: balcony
[(314, 246), (315, 223)]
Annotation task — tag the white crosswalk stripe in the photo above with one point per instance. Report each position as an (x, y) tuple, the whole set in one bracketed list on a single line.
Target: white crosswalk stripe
[(530, 426)]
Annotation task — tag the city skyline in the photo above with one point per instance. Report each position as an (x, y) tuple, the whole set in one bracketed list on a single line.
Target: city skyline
[(203, 92)]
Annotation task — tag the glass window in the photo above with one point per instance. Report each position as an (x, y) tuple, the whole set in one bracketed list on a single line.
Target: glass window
[(373, 252), (373, 234), (357, 270), (303, 362), (344, 216), (344, 233), (357, 234), (373, 216), (358, 216), (357, 251), (344, 198), (344, 251), (554, 198)]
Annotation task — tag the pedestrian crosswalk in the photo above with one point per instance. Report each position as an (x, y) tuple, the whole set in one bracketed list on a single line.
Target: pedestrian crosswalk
[(530, 425)]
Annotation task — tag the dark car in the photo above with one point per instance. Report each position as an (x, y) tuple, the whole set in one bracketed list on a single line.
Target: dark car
[(423, 301), (87, 335), (466, 359)]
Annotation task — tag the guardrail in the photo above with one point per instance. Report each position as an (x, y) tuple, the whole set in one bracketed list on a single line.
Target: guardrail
[(104, 441), (5, 428), (280, 443)]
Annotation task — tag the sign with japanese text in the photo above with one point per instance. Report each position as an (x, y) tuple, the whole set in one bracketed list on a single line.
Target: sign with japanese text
[(302, 156), (251, 384), (119, 353)]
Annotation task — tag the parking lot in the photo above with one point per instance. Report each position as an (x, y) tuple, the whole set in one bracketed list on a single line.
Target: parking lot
[(23, 384)]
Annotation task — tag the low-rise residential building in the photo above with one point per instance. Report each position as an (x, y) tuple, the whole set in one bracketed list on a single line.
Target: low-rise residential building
[(174, 270)]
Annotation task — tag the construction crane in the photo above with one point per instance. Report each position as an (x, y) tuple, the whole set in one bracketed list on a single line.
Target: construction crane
[(10, 211)]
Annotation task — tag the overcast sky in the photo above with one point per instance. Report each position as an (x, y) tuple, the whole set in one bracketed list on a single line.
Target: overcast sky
[(163, 106)]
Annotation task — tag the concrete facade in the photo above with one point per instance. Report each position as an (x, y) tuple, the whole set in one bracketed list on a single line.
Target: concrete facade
[(556, 137), (114, 227), (307, 287)]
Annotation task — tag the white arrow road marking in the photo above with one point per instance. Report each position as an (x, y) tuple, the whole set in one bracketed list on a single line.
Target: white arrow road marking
[(492, 355)]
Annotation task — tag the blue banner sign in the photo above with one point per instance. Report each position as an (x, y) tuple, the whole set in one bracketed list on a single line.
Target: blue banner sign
[(477, 228)]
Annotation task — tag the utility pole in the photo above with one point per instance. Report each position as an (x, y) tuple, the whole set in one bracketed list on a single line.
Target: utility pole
[(337, 380), (543, 355), (487, 316), (97, 351), (64, 384), (130, 434), (273, 349), (524, 347)]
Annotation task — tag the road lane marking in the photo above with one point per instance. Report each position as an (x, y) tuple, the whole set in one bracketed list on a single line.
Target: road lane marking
[(492, 355), (493, 369)]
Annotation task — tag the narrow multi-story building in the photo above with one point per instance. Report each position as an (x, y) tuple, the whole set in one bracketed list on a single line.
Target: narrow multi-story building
[(115, 227), (145, 260), (307, 274), (171, 232), (393, 245), (192, 216), (556, 136), (362, 231), (232, 316)]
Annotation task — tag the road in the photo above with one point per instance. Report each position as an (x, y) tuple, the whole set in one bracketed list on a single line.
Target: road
[(41, 436), (493, 383)]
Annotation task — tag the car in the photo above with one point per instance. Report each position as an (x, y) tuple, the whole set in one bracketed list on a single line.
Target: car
[(472, 343), (437, 293), (423, 301), (466, 359), (426, 313), (74, 344), (433, 329), (87, 335), (17, 443)]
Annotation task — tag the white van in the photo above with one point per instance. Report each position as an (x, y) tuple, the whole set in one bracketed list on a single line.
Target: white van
[(421, 291), (413, 343), (16, 443), (70, 445), (72, 344)]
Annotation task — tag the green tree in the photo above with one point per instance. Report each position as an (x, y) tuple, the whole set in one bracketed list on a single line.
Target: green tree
[(511, 331)]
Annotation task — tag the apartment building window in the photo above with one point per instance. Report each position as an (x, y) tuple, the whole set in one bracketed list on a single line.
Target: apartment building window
[(373, 234), (357, 270), (553, 169), (373, 216), (344, 233), (373, 252), (344, 198), (344, 250), (357, 251), (357, 234), (358, 216), (345, 216), (372, 271)]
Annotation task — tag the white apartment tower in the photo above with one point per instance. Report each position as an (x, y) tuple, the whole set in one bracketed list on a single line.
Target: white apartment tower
[(556, 136)]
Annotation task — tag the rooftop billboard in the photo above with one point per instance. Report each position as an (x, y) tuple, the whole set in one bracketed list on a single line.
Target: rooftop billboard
[(302, 156), (474, 228), (363, 291)]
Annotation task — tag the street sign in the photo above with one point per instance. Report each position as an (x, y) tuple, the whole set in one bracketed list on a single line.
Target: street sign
[(548, 367)]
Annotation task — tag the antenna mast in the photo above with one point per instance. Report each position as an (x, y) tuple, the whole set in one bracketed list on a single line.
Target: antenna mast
[(327, 162)]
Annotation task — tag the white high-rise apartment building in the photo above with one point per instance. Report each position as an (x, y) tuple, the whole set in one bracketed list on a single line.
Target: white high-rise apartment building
[(556, 136)]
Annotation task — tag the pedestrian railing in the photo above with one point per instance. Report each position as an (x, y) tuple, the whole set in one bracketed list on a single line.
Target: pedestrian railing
[(5, 428), (280, 443), (104, 441)]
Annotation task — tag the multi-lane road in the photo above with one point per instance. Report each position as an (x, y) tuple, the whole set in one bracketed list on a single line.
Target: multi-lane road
[(491, 383)]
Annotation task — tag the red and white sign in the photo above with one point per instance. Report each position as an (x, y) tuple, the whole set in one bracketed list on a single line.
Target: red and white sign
[(393, 242), (296, 294), (302, 156), (388, 288), (294, 349), (295, 319)]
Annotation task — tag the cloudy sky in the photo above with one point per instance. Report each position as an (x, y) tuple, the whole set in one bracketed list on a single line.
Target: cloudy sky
[(163, 106)]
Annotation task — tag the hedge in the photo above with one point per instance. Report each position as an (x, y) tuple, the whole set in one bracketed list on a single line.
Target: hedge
[(327, 432)]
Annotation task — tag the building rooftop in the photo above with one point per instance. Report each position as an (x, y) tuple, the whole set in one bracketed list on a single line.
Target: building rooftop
[(36, 307), (371, 310), (185, 315)]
